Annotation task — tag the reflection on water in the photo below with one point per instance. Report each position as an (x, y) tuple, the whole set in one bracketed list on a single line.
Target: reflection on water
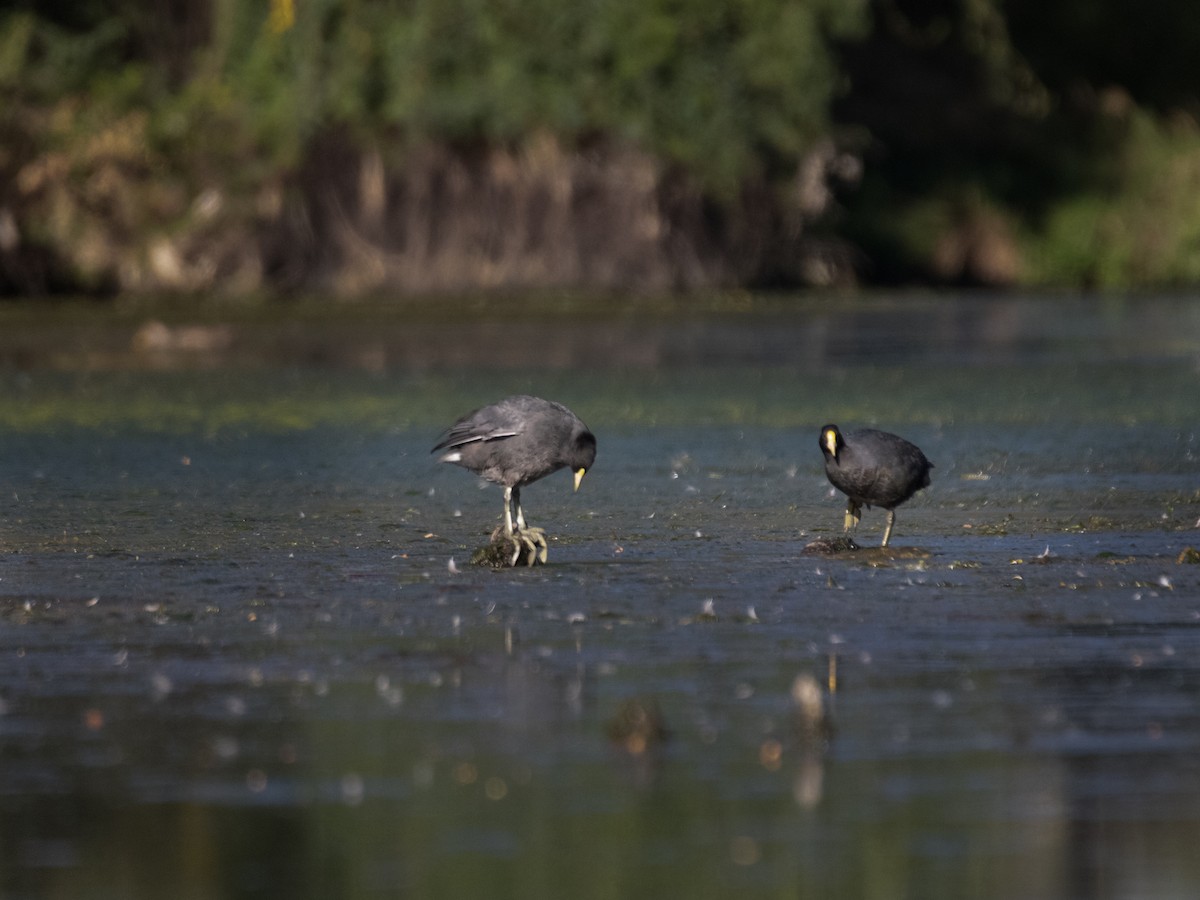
[(235, 661)]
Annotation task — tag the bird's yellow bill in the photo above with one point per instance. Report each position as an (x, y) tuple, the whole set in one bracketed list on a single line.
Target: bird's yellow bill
[(831, 441), (579, 473)]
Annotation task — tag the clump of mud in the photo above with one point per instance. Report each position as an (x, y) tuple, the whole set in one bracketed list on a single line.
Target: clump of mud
[(844, 547), (830, 546), (501, 553)]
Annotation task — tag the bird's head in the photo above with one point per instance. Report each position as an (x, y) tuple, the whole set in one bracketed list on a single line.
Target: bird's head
[(831, 441), (583, 454)]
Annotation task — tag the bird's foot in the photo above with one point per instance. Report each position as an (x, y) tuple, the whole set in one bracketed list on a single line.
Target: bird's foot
[(525, 544), (533, 539)]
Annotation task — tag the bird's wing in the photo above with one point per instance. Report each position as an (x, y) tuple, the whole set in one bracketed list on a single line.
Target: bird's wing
[(470, 431), (459, 440)]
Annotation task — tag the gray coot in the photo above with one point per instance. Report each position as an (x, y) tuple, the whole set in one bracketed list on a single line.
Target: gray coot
[(514, 442), (873, 468)]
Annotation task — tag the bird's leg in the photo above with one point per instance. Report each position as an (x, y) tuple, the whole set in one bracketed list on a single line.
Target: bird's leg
[(511, 494), (516, 492), (508, 522), (853, 514), (533, 538), (527, 543), (887, 530)]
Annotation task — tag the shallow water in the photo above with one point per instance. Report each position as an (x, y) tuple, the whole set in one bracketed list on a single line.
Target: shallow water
[(236, 660)]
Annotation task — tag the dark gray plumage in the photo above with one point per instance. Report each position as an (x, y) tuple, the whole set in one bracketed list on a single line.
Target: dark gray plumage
[(514, 442), (873, 468)]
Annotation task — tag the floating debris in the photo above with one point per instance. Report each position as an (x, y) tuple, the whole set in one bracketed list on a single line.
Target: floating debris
[(707, 614), (1189, 556), (1041, 559)]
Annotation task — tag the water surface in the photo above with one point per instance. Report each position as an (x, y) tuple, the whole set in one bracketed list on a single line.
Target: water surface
[(242, 653)]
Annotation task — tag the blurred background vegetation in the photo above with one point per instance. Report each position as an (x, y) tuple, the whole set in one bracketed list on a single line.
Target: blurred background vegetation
[(361, 147)]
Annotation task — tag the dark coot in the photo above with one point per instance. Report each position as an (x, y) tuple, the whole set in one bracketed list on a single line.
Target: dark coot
[(873, 468), (514, 442)]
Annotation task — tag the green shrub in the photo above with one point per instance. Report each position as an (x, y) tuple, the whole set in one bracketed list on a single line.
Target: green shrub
[(1138, 224)]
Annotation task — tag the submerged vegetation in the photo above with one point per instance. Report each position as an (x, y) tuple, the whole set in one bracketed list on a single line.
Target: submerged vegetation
[(1126, 396), (445, 145)]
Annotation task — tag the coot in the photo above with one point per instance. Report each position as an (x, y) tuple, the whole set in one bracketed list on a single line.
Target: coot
[(873, 468), (514, 442)]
